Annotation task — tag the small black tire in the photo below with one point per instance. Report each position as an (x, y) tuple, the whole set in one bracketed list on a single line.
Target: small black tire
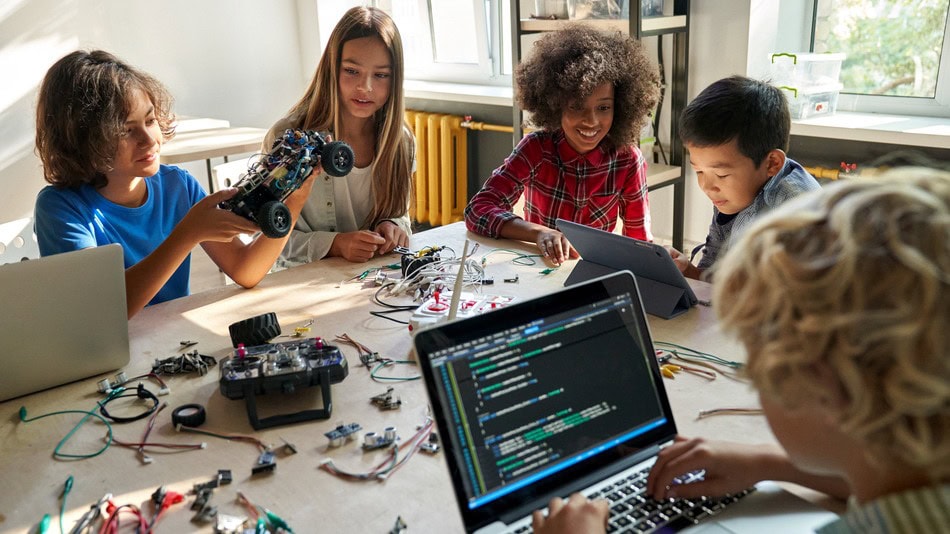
[(274, 218), (337, 158), (255, 331)]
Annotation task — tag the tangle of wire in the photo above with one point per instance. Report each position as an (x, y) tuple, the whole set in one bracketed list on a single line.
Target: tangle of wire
[(263, 447), (366, 354), (386, 362), (391, 308), (520, 258), (442, 271), (162, 501), (704, 359), (263, 517), (87, 414), (392, 463), (143, 443)]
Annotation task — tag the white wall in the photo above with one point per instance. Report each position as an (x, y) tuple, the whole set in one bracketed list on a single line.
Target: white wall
[(238, 60)]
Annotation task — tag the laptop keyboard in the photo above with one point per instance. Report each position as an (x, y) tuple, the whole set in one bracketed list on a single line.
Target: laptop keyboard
[(632, 511)]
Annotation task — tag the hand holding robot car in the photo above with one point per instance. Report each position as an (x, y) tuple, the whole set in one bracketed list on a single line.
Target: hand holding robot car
[(262, 190)]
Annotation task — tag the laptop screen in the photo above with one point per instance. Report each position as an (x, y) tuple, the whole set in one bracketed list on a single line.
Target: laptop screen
[(543, 392)]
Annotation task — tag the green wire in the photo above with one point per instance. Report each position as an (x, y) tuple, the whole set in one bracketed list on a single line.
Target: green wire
[(387, 363), (67, 487), (520, 257), (91, 413), (698, 354)]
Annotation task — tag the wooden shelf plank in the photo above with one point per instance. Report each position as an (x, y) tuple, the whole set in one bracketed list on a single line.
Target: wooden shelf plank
[(650, 24), (660, 175)]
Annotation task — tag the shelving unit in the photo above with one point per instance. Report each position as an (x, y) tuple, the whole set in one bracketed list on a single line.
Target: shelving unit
[(675, 22)]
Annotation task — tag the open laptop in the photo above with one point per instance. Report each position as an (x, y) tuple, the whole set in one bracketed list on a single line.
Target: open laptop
[(666, 293), (65, 319), (563, 393)]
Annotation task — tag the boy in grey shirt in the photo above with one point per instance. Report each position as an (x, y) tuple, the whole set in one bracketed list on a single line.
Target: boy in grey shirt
[(737, 132)]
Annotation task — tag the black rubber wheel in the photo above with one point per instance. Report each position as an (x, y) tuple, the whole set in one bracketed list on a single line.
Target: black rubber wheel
[(337, 158), (274, 218), (255, 331)]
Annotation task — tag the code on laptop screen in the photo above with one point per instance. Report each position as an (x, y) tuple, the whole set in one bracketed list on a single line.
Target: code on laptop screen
[(529, 401)]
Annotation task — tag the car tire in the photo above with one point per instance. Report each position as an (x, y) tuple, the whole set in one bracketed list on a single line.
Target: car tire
[(337, 158), (255, 331), (274, 218)]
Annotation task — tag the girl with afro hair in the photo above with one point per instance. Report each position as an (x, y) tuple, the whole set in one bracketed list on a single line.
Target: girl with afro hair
[(589, 93)]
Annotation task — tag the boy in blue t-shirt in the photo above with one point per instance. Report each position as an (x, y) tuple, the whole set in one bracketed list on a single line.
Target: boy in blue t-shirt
[(100, 126), (737, 132)]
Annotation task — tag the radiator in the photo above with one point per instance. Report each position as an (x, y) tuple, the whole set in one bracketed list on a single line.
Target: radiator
[(441, 179)]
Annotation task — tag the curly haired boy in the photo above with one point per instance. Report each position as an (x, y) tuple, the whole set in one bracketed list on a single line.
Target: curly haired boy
[(842, 300), (589, 93)]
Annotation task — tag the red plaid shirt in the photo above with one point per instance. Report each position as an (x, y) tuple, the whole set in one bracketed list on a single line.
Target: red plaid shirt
[(592, 189)]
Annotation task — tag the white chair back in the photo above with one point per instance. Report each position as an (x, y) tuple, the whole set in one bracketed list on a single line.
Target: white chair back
[(17, 241)]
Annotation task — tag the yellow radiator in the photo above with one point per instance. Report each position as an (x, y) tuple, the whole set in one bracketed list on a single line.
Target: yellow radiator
[(441, 181)]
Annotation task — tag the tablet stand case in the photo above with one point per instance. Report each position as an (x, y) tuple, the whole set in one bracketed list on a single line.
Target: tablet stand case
[(663, 300)]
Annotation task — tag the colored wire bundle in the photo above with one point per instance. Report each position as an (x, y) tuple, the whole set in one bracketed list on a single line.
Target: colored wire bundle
[(392, 308), (366, 354), (263, 447), (110, 524), (161, 499), (263, 517), (392, 463), (140, 446), (520, 258), (386, 362), (703, 359)]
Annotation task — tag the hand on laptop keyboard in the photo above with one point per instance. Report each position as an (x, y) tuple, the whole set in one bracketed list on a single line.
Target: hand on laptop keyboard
[(632, 510), (576, 515), (728, 468)]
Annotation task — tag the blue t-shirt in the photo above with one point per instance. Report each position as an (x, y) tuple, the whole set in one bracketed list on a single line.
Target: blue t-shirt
[(71, 219)]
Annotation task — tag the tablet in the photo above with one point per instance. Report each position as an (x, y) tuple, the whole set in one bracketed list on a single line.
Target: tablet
[(664, 289)]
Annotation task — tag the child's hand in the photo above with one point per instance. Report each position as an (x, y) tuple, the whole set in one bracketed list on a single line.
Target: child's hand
[(730, 467), (682, 262), (394, 236), (554, 246), (205, 221), (578, 515), (356, 246)]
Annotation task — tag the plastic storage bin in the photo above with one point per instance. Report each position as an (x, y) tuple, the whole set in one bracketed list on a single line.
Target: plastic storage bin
[(806, 69), (816, 100)]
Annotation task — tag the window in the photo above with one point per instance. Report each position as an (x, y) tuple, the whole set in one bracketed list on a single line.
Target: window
[(898, 54), (461, 41)]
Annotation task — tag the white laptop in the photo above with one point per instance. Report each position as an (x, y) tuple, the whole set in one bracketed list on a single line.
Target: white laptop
[(64, 319), (563, 393)]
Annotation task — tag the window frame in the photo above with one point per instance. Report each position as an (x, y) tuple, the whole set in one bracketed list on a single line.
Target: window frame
[(937, 106), (487, 16)]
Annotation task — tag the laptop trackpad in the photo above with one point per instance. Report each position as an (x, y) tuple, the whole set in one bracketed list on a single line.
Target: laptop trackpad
[(768, 509)]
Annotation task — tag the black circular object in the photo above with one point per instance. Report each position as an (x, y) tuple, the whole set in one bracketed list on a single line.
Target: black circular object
[(255, 331), (139, 392), (190, 415), (337, 158), (274, 219)]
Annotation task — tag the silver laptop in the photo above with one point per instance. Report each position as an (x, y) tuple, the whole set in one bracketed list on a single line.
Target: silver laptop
[(563, 393), (665, 291), (64, 319)]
